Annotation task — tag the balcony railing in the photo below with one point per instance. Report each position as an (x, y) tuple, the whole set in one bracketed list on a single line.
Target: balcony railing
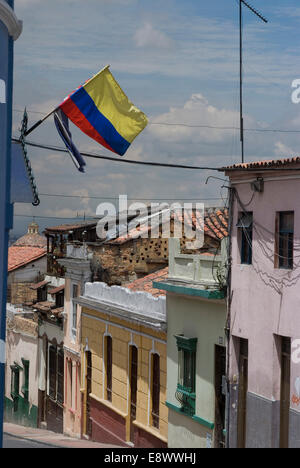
[(206, 269)]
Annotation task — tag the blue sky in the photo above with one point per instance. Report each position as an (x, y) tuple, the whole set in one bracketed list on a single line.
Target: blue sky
[(176, 60)]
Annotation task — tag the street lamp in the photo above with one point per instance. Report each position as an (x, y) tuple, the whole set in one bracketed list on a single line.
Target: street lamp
[(10, 30)]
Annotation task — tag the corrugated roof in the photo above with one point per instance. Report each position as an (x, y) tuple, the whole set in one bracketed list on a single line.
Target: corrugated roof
[(146, 284), (21, 256), (264, 164)]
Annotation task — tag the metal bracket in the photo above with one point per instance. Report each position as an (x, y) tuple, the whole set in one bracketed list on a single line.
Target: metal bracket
[(36, 201)]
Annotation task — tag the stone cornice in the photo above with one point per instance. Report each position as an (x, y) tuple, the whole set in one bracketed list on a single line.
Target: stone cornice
[(8, 17)]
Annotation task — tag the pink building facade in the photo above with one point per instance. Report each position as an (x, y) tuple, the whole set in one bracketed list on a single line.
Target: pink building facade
[(264, 352)]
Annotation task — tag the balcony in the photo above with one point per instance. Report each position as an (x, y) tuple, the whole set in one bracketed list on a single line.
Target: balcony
[(202, 275)]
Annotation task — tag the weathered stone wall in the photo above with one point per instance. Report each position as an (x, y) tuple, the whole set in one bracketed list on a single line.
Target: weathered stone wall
[(125, 262), (27, 326), (21, 293)]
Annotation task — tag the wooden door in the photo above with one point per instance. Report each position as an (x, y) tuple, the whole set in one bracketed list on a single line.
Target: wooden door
[(133, 388), (285, 392), (88, 391), (243, 390), (220, 397)]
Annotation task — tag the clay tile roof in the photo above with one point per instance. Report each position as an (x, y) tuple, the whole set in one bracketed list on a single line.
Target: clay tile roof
[(71, 227), (146, 284), (39, 285), (57, 290), (31, 240), (57, 312), (216, 222), (44, 306), (277, 163), (21, 256)]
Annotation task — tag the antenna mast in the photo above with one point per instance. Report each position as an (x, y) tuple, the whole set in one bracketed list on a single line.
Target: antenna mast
[(243, 2)]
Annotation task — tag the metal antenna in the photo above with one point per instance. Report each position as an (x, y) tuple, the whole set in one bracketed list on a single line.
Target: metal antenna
[(241, 66)]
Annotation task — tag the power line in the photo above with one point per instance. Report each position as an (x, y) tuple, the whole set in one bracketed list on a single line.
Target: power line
[(125, 161), (174, 166), (212, 127), (86, 218), (117, 197)]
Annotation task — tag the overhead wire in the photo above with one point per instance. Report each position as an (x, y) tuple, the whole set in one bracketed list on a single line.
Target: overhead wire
[(128, 198), (213, 127)]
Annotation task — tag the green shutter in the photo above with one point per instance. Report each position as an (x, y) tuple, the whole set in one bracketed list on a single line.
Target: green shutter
[(186, 386)]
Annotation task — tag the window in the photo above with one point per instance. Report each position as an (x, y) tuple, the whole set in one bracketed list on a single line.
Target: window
[(108, 361), (155, 390), (89, 424), (42, 294), (60, 299), (25, 387), (186, 385), (52, 372), (284, 239), (70, 369), (56, 374), (15, 385), (15, 380), (245, 235), (60, 376), (75, 293), (133, 380)]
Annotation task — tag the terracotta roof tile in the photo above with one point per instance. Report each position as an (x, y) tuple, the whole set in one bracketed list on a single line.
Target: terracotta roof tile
[(215, 224), (31, 240), (39, 285), (44, 306), (21, 256), (70, 227), (264, 164), (57, 290), (145, 284)]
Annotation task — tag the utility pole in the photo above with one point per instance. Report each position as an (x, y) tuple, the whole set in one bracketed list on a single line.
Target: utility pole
[(243, 2), (10, 30)]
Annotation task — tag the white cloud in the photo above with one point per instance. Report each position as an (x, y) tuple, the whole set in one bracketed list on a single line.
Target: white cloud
[(196, 111), (148, 36), (284, 151)]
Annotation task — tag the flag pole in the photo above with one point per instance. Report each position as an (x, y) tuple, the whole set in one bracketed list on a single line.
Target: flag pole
[(37, 124)]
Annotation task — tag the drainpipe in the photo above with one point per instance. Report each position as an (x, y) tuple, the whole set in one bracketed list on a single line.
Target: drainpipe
[(10, 30), (228, 321)]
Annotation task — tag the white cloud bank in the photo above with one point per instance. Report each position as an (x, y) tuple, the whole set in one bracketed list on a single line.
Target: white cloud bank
[(148, 36)]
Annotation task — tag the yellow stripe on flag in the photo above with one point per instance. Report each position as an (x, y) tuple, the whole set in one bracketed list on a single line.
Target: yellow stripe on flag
[(113, 103)]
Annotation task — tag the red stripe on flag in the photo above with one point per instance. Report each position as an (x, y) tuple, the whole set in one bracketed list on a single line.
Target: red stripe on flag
[(74, 114)]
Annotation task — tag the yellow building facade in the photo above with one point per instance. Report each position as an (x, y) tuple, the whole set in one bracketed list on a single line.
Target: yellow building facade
[(124, 366)]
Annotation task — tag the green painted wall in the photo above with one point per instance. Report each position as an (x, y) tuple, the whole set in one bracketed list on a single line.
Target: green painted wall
[(205, 320), (23, 414)]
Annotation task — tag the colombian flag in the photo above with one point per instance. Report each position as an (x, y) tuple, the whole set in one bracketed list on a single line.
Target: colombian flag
[(102, 110)]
